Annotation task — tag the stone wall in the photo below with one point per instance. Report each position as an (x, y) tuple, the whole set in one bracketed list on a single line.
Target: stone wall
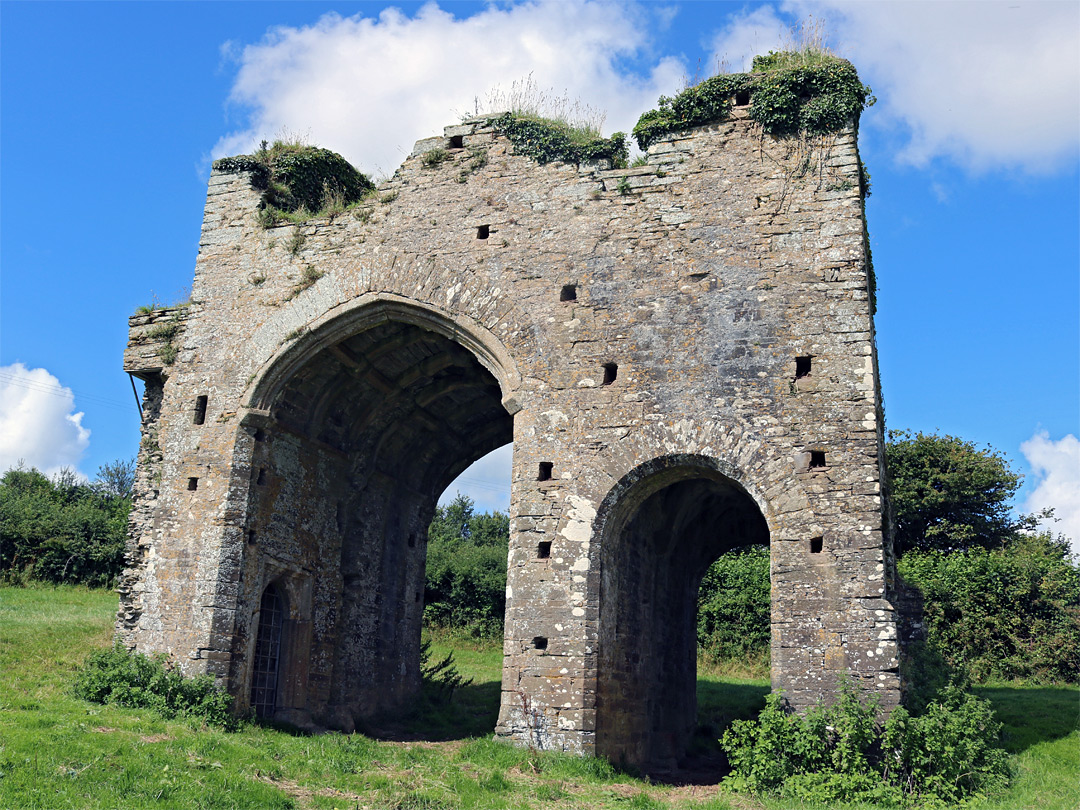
[(682, 354)]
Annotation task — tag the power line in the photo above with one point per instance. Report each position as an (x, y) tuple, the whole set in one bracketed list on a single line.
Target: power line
[(59, 391)]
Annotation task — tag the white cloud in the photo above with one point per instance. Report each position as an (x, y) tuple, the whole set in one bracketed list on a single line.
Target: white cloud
[(38, 424), (369, 87), (748, 35), (989, 85), (486, 481), (1056, 466)]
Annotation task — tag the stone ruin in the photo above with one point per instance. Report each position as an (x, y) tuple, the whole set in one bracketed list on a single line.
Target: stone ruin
[(682, 354)]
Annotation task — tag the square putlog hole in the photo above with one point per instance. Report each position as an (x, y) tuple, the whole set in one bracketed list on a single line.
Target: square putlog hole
[(544, 471), (540, 643), (802, 367), (192, 484), (483, 231), (457, 141), (543, 550), (569, 292), (816, 544), (817, 459), (611, 371)]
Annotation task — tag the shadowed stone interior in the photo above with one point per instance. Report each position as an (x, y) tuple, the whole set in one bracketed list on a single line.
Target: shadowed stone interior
[(661, 542)]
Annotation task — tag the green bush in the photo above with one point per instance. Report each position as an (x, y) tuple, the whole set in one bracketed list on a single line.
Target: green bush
[(466, 569), (788, 95), (546, 140), (839, 753), (133, 680), (299, 179), (61, 531), (734, 604), (1008, 612)]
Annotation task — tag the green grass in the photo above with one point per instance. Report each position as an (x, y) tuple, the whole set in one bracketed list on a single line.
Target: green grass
[(59, 752)]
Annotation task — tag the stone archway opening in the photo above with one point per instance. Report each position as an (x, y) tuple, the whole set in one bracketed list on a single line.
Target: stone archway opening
[(659, 539), (349, 458)]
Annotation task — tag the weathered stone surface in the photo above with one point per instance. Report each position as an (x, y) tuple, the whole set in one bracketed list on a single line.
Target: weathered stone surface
[(633, 332)]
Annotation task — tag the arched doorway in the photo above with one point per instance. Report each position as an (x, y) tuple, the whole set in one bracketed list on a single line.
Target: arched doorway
[(661, 528), (266, 663), (351, 447)]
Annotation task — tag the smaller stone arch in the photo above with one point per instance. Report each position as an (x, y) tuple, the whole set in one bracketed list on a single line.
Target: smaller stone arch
[(659, 528)]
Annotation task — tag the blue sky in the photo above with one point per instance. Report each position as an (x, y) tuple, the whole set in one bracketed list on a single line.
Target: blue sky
[(110, 114)]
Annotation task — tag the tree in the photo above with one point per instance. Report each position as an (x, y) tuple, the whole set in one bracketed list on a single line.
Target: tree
[(947, 494), (466, 568)]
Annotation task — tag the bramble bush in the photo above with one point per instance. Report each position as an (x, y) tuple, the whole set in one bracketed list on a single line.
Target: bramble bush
[(839, 753), (136, 681)]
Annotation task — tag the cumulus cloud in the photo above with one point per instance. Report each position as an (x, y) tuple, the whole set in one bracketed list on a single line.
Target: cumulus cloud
[(747, 35), (369, 87), (989, 85), (1056, 467), (38, 422)]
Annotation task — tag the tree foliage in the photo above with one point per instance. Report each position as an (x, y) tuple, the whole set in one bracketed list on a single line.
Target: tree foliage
[(733, 605), (61, 530), (948, 494), (466, 568), (1007, 612)]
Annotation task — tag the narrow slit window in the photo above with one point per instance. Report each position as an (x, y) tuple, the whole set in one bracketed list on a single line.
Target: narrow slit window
[(260, 436), (544, 472), (816, 544), (802, 367), (817, 459), (412, 541), (569, 293), (251, 538), (543, 550), (416, 596), (192, 484), (483, 231), (200, 410), (611, 371), (539, 643), (457, 141), (261, 480)]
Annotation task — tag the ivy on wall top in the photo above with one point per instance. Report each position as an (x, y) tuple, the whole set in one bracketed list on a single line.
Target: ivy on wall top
[(546, 140), (294, 176), (788, 93)]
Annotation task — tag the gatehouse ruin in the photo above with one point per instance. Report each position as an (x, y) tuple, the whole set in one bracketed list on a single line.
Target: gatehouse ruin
[(681, 352)]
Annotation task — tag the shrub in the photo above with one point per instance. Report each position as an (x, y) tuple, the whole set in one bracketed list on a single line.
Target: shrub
[(1009, 612), (734, 604), (136, 681), (789, 94), (61, 531), (466, 569), (296, 177), (839, 753)]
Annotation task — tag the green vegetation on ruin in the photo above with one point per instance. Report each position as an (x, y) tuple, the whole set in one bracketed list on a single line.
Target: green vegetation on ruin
[(548, 139), (299, 182), (809, 91)]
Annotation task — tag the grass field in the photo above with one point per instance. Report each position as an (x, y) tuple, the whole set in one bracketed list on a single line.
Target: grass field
[(59, 752)]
